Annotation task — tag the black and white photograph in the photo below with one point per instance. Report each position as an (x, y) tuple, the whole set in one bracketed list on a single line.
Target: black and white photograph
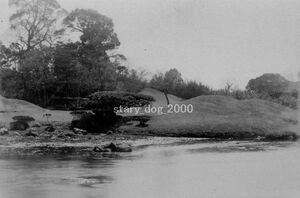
[(149, 98)]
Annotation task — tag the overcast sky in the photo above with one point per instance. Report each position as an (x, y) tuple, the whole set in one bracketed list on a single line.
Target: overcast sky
[(212, 41)]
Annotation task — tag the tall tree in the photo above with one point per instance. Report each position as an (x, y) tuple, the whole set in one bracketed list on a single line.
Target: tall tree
[(97, 30), (172, 79), (168, 82), (97, 38), (35, 22)]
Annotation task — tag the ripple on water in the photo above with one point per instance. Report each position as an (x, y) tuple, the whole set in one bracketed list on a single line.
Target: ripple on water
[(242, 146), (90, 181)]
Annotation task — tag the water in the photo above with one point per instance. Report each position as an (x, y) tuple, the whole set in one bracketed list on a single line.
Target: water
[(218, 169)]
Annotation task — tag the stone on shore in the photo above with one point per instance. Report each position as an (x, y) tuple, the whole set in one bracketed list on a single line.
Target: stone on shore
[(31, 134), (118, 148), (21, 123), (50, 129), (3, 131), (112, 147), (18, 126), (80, 131)]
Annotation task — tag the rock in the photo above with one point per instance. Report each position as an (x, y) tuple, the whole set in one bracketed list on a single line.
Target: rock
[(116, 148), (124, 149), (70, 135), (19, 125), (112, 148), (292, 138), (259, 138), (46, 124), (61, 135), (142, 124), (16, 134), (106, 150), (98, 149), (50, 129), (31, 134), (37, 125), (80, 131), (3, 131)]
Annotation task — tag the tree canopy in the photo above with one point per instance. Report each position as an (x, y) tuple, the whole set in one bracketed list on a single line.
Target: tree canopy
[(97, 30), (34, 21), (108, 100), (40, 64)]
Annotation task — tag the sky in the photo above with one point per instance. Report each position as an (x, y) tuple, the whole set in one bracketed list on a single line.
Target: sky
[(210, 41)]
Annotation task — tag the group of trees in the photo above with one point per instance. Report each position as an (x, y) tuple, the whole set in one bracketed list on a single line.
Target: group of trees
[(42, 62), (276, 88), (271, 87), (171, 82)]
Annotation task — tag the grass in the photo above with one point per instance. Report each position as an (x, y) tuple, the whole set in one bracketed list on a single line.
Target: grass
[(10, 108), (224, 117), (213, 117)]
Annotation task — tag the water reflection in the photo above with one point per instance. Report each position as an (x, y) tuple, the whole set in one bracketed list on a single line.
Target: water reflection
[(207, 169)]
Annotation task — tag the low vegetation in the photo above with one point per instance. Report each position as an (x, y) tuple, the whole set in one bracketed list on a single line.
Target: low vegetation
[(225, 117)]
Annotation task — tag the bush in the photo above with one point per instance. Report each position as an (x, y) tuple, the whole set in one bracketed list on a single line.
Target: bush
[(108, 100), (23, 118)]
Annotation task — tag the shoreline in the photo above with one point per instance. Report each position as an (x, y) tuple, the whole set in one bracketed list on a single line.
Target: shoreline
[(64, 141)]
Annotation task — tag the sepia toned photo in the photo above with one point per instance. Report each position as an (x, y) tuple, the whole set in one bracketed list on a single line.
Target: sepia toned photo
[(149, 98)]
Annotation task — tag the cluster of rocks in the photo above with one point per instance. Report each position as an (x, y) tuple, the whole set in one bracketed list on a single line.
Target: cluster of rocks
[(112, 147)]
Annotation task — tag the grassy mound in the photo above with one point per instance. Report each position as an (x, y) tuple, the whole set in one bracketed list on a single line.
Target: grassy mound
[(160, 99), (11, 105), (10, 108), (225, 117)]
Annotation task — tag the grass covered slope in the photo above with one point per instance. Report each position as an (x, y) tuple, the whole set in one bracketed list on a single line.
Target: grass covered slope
[(225, 117), (160, 99), (14, 107)]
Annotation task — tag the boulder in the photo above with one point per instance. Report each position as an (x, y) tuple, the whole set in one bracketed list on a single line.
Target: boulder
[(118, 148), (61, 135), (70, 135), (50, 129), (142, 124), (37, 125), (3, 131), (19, 125), (112, 147), (98, 149), (80, 131), (31, 134)]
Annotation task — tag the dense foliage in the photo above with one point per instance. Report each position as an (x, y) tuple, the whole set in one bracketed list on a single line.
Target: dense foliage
[(276, 88), (171, 82), (108, 100), (42, 64)]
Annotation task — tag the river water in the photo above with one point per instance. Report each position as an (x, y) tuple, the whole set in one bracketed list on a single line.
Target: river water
[(203, 169)]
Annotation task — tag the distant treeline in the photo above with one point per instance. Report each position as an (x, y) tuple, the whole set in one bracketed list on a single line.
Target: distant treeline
[(43, 63), (271, 87)]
